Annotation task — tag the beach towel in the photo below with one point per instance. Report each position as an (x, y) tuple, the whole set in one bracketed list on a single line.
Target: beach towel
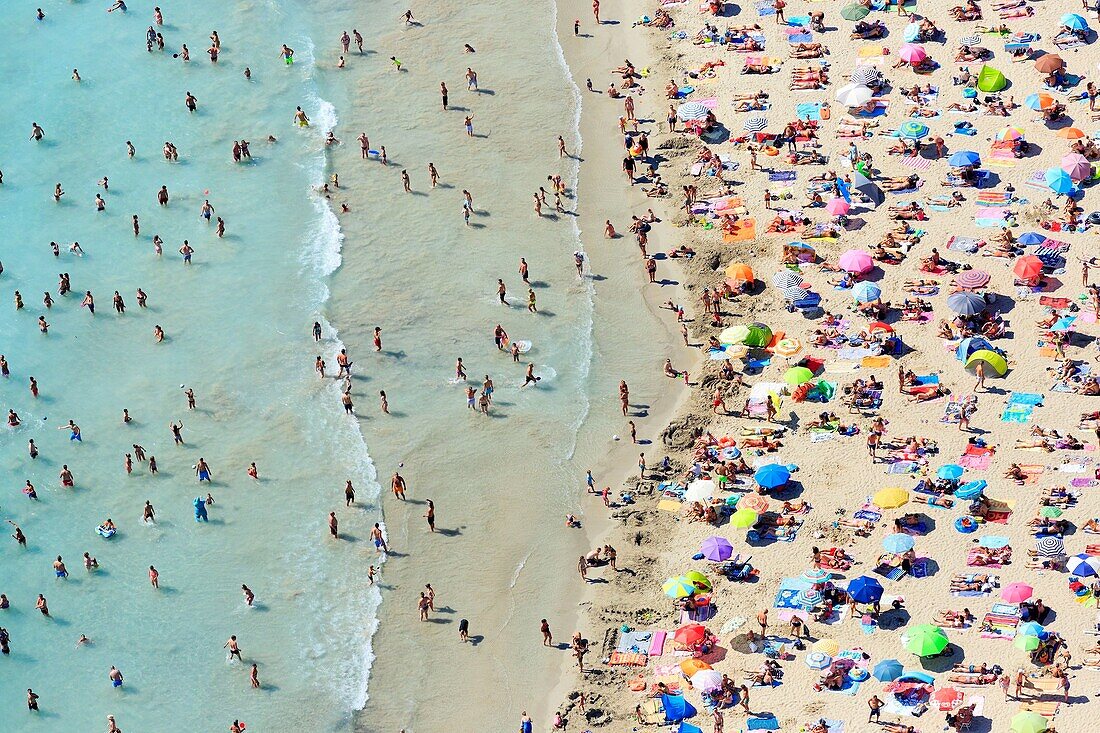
[(994, 198), (744, 230), (967, 245), (808, 111), (1038, 180), (875, 362), (657, 644), (625, 659), (921, 567), (952, 411), (634, 641), (903, 467), (979, 463), (764, 8), (852, 353), (921, 164), (1026, 398), (782, 176), (769, 723)]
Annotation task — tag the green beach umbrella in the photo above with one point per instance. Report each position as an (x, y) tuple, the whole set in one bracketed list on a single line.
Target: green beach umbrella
[(743, 518), (1026, 642), (913, 130), (697, 579), (926, 640), (680, 587), (1028, 722), (854, 12), (797, 375)]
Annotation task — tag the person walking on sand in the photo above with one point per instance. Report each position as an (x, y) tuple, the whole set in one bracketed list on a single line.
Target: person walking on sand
[(596, 11), (762, 619), (875, 704), (979, 372), (582, 567), (547, 635), (779, 6)]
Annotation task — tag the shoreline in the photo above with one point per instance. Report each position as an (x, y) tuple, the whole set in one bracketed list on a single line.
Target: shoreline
[(598, 172)]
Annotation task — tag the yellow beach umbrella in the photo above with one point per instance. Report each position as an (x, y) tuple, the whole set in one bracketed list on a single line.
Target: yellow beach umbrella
[(890, 498), (1028, 722), (827, 646), (679, 587), (743, 518)]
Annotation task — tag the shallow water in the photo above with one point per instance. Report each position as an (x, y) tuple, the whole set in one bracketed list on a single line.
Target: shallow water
[(238, 325)]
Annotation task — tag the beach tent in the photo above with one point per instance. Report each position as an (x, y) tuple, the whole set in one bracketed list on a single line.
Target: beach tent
[(991, 358), (688, 728), (677, 708), (759, 335), (968, 346), (991, 80)]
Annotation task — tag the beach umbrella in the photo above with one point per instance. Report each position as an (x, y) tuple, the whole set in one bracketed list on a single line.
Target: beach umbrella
[(739, 271), (717, 549), (837, 207), (1025, 642), (794, 294), (1039, 101), (911, 32), (787, 347), (854, 95), (679, 587), (1070, 133), (992, 358), (856, 261), (1031, 238), (887, 670), (700, 490), (966, 304), (912, 53), (690, 634), (772, 475), (1009, 133), (854, 12), (925, 640), (756, 123), (971, 490), (970, 40), (1029, 722), (816, 576), (700, 581), (743, 518), (890, 498), (1048, 63), (827, 646), (690, 666), (786, 279), (971, 279), (868, 188), (865, 75), (692, 111), (706, 680), (947, 695), (1074, 22), (1050, 547), (734, 334), (1016, 592), (964, 158), (876, 326), (677, 708), (1028, 267), (1030, 628), (1083, 565), (992, 541), (755, 502), (950, 472), (913, 130), (818, 660), (1050, 512), (808, 598), (866, 292), (1059, 181), (1077, 166), (898, 543), (864, 589)]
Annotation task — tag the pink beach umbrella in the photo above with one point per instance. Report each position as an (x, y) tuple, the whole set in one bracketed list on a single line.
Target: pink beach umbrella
[(1077, 166), (857, 261), (1017, 592), (838, 207), (912, 53)]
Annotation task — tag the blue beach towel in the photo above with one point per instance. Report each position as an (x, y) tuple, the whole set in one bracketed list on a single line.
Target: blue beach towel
[(810, 111), (770, 723), (783, 176)]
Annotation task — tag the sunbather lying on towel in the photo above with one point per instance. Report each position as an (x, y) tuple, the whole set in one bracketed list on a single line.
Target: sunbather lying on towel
[(974, 582), (866, 30), (955, 620), (808, 50), (970, 11), (900, 183), (987, 556)]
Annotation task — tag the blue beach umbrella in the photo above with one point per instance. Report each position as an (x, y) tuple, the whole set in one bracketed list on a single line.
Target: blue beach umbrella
[(971, 490), (1083, 565), (864, 589), (950, 471), (1030, 628), (689, 728), (772, 475), (887, 670), (898, 543), (865, 292), (966, 304), (1058, 181), (964, 158), (913, 130), (911, 32), (1031, 238), (1073, 21)]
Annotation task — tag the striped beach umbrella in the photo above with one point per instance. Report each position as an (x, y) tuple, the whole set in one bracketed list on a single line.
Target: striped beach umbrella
[(816, 576), (1083, 565), (808, 598), (788, 347), (679, 587), (756, 123), (790, 285), (692, 111), (970, 40), (754, 502), (971, 279), (818, 660), (966, 304), (865, 75), (827, 646), (913, 130), (1050, 547)]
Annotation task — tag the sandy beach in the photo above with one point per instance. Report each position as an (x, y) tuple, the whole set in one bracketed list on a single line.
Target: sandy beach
[(831, 494)]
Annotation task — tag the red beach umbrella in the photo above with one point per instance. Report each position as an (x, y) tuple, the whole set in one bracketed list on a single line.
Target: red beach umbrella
[(1028, 267)]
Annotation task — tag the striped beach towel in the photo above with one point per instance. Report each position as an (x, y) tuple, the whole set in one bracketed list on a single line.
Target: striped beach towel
[(921, 164)]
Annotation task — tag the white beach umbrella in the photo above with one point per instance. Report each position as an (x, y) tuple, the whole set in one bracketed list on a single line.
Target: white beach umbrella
[(1084, 565), (706, 680), (692, 111), (854, 95), (1050, 546), (755, 124)]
